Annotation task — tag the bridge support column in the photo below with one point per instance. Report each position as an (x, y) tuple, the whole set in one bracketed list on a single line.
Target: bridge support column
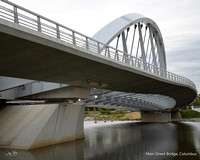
[(32, 126), (176, 115), (156, 117)]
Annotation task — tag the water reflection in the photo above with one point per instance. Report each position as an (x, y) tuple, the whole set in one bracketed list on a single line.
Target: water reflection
[(195, 134), (122, 141), (65, 151), (130, 141)]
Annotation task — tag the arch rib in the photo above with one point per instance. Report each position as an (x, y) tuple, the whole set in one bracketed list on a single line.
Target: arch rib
[(107, 34)]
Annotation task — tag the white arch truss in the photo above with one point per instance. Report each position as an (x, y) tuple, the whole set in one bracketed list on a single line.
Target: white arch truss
[(140, 37)]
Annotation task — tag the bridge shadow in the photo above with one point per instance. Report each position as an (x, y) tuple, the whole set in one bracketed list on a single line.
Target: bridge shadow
[(121, 141)]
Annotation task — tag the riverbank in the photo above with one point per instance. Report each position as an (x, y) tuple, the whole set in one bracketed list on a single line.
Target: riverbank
[(190, 114), (186, 120), (117, 115)]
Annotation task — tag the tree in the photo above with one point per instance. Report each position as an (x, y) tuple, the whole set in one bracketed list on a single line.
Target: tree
[(196, 102), (108, 111), (101, 110)]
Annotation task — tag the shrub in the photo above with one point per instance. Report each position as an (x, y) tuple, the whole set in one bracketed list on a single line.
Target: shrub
[(189, 114)]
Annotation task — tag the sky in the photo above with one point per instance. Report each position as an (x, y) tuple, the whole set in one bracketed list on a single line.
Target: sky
[(178, 20)]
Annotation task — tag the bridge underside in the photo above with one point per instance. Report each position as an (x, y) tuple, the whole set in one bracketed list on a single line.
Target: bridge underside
[(31, 55)]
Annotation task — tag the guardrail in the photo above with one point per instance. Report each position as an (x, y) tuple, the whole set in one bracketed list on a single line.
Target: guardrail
[(17, 14)]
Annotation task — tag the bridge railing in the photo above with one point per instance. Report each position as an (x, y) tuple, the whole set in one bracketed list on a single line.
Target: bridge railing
[(17, 14)]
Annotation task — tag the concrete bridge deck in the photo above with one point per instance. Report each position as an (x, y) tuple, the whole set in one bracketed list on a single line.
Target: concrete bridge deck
[(32, 55)]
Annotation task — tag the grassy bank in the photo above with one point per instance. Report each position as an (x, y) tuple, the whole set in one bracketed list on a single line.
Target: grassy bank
[(115, 115), (189, 114)]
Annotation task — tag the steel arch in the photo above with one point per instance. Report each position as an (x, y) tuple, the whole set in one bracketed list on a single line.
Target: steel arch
[(112, 30)]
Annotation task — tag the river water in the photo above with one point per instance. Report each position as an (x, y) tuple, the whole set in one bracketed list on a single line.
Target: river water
[(122, 140)]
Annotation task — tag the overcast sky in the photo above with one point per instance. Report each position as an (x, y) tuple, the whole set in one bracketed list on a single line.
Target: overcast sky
[(178, 20)]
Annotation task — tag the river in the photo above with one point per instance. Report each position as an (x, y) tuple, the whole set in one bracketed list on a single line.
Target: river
[(122, 140)]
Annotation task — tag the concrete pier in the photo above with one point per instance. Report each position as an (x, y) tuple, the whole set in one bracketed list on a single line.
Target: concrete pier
[(176, 115), (32, 126), (156, 117)]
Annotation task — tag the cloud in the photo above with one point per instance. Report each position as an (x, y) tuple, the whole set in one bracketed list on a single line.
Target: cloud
[(185, 60)]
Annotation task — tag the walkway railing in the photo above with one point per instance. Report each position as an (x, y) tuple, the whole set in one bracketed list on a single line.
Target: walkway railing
[(17, 14)]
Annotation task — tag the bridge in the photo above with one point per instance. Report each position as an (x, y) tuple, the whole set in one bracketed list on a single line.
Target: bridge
[(121, 66)]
